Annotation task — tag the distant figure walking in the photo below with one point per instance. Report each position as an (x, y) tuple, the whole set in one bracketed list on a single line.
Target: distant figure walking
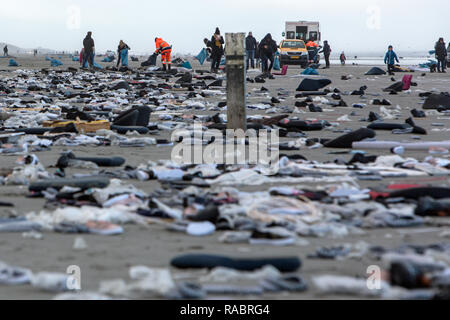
[(326, 52), (250, 49), (89, 49), (217, 50), (390, 59), (35, 52), (267, 49), (343, 58), (5, 51), (122, 54), (165, 50), (441, 55)]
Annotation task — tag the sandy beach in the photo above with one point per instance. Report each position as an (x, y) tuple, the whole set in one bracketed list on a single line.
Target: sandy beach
[(107, 258)]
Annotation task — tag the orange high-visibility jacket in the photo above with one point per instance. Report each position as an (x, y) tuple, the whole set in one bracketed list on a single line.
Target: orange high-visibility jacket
[(312, 44), (162, 45)]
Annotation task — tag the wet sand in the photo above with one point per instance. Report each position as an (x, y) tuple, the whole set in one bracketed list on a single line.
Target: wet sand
[(110, 257)]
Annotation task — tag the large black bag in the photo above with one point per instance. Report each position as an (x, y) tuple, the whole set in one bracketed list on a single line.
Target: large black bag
[(150, 62)]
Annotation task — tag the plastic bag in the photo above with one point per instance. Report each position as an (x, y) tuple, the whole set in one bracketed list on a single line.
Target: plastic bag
[(276, 64), (201, 57)]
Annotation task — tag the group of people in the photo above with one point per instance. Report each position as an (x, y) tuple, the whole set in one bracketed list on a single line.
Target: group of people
[(264, 51), (441, 54), (88, 52)]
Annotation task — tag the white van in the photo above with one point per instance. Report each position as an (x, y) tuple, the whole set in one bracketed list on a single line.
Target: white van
[(303, 30)]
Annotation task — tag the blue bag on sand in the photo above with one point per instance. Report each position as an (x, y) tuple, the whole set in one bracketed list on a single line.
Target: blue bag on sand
[(108, 59), (428, 64), (56, 63), (75, 59), (96, 65), (310, 72), (13, 63), (186, 65), (276, 64), (124, 57), (47, 59), (202, 56)]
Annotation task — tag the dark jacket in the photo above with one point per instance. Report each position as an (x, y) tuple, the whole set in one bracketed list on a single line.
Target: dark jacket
[(250, 43), (326, 49), (441, 51), (88, 44), (267, 47), (217, 50), (119, 49)]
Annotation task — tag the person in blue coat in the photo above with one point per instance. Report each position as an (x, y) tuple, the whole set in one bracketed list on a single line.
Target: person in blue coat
[(122, 53), (390, 59)]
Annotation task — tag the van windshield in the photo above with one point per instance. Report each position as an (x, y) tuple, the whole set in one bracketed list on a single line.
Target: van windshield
[(293, 45)]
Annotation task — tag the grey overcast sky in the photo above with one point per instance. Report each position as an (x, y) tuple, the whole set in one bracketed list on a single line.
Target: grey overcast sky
[(350, 25)]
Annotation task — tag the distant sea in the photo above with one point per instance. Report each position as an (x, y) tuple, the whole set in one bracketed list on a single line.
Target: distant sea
[(375, 61)]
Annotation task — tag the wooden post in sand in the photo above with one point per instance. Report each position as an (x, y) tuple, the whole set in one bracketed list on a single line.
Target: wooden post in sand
[(236, 91)]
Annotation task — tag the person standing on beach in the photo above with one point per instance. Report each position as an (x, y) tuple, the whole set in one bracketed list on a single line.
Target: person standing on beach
[(343, 58), (122, 54), (441, 55), (5, 51), (217, 51), (390, 59), (250, 48), (326, 52), (267, 49), (89, 49)]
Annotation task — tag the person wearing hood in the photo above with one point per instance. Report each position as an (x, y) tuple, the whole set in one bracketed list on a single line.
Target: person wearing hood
[(441, 55), (89, 49), (122, 54), (165, 50), (267, 49), (217, 50), (326, 52)]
